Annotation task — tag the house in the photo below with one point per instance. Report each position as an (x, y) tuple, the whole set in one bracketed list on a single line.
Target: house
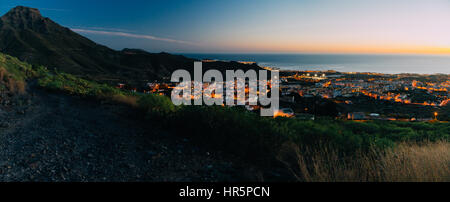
[(356, 116), (120, 85), (285, 112)]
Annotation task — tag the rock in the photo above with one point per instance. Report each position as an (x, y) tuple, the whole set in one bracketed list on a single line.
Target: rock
[(4, 125), (33, 165)]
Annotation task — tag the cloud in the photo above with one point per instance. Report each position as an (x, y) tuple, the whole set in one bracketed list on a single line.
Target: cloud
[(102, 29), (124, 34), (54, 9)]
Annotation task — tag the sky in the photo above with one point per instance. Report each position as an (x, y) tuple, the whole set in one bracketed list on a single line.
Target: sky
[(256, 26)]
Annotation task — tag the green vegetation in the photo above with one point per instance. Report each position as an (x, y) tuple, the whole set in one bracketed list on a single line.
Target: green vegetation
[(156, 106), (248, 135), (426, 161), (13, 74), (16, 69), (77, 86), (261, 140)]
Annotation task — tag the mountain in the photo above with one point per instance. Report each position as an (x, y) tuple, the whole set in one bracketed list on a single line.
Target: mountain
[(27, 35)]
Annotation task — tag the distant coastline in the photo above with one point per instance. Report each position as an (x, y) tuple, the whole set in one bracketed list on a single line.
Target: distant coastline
[(377, 63)]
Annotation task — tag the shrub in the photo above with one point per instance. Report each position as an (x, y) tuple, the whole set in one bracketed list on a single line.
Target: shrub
[(77, 86), (128, 100), (156, 106), (259, 139), (406, 162)]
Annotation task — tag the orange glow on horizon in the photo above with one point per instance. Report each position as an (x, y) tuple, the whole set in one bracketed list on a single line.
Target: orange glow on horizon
[(310, 47)]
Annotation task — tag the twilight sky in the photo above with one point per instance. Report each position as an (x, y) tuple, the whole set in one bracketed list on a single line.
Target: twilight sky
[(256, 26)]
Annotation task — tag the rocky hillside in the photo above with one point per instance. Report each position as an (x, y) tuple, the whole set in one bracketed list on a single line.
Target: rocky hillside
[(27, 35), (48, 136)]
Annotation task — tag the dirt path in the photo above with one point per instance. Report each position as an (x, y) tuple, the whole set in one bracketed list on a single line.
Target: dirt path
[(61, 138)]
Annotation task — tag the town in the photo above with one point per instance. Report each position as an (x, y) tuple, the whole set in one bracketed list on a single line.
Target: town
[(344, 95)]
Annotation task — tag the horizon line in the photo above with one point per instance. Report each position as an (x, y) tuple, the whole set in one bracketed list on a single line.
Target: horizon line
[(312, 53)]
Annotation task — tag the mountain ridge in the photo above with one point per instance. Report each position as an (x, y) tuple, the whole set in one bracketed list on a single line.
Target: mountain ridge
[(27, 35)]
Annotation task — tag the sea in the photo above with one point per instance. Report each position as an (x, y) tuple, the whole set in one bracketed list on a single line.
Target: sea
[(389, 64)]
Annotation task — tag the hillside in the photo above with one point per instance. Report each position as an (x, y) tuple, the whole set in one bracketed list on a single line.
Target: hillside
[(100, 133), (49, 136), (27, 35)]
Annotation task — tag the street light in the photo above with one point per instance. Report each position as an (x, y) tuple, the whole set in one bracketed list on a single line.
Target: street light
[(435, 115)]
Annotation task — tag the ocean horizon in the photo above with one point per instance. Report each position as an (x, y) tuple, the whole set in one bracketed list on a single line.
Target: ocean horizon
[(380, 63)]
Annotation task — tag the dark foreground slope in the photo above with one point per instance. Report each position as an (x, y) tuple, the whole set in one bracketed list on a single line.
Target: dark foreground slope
[(54, 137), (47, 137)]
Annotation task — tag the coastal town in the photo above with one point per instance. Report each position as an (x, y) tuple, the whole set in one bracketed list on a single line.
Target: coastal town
[(409, 97), (351, 95)]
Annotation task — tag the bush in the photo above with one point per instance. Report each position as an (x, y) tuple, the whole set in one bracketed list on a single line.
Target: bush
[(15, 69), (128, 100), (230, 129), (77, 86), (13, 74), (246, 134), (156, 107), (258, 139)]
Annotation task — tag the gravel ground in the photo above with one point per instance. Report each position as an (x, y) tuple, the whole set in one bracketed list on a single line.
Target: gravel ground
[(53, 137)]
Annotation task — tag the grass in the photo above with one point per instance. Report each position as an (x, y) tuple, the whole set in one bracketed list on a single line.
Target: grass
[(15, 69), (13, 74), (427, 162), (354, 151), (73, 85)]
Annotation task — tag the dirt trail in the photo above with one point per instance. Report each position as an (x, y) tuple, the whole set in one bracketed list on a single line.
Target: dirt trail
[(62, 138)]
